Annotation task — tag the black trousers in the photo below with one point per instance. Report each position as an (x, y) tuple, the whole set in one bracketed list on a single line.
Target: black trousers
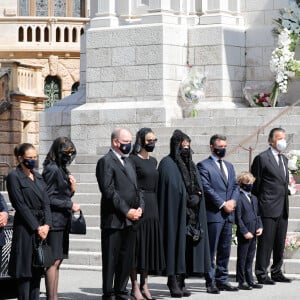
[(117, 259), (245, 256), (272, 240), (29, 287)]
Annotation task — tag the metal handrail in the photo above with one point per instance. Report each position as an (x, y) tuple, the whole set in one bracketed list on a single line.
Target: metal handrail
[(258, 131), (2, 182)]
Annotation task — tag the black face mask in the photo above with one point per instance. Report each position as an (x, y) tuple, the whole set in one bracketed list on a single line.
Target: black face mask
[(247, 187), (149, 147), (66, 159), (185, 152), (125, 148), (220, 152), (29, 163)]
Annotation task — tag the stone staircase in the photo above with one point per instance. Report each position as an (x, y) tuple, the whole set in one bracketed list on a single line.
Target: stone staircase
[(237, 124)]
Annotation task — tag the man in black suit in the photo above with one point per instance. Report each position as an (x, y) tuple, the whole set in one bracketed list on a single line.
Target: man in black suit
[(3, 222), (221, 192), (271, 188), (120, 209)]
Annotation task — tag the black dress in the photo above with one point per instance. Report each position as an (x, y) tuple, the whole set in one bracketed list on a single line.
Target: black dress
[(149, 246)]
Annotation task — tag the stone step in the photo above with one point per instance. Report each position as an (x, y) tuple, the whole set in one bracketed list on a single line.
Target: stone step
[(87, 198), (85, 258), (78, 244), (243, 113), (92, 233)]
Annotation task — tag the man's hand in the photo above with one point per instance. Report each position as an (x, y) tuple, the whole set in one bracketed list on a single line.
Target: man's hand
[(229, 206), (248, 236), (3, 218), (259, 231)]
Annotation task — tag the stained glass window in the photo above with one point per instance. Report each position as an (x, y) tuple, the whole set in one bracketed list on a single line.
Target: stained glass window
[(76, 10), (60, 8), (41, 8), (24, 7), (52, 89)]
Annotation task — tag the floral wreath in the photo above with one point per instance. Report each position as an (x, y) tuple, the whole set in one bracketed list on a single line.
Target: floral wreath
[(282, 62)]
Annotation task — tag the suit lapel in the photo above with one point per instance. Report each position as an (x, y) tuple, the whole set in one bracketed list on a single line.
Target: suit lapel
[(128, 170)]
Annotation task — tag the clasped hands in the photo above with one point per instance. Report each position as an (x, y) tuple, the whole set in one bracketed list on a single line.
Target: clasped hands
[(3, 218), (229, 206), (42, 231), (134, 214)]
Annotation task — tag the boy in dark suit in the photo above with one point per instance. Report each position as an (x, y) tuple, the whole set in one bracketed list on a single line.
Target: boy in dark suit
[(249, 226)]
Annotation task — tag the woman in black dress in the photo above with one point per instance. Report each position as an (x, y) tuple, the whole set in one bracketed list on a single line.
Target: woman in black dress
[(149, 247), (61, 187), (27, 194)]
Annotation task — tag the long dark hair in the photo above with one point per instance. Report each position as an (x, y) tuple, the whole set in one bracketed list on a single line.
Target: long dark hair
[(140, 140), (59, 146)]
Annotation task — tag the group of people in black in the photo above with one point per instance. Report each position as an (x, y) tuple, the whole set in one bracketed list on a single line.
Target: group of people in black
[(176, 219)]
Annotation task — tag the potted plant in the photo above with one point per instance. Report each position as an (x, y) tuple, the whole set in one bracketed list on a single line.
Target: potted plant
[(294, 164)]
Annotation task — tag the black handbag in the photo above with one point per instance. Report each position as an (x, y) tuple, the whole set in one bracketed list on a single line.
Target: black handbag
[(42, 255), (78, 225)]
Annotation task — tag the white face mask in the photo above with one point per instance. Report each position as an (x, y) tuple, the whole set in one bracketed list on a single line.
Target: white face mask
[(281, 145)]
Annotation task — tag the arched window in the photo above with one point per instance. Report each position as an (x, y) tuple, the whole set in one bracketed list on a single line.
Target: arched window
[(57, 34), (52, 89), (46, 34), (38, 34), (21, 34), (29, 34), (75, 87), (66, 34), (81, 31), (74, 35)]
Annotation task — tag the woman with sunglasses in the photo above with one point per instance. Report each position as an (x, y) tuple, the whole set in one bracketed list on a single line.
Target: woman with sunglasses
[(60, 187), (149, 255)]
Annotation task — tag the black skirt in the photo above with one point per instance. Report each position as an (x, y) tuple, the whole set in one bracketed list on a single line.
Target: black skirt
[(59, 243)]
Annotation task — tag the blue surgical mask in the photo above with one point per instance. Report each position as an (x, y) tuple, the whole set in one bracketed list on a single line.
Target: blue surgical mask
[(29, 163), (125, 148), (220, 152)]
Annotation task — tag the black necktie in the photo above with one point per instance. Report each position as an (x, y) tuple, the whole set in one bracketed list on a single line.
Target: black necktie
[(222, 170), (280, 164)]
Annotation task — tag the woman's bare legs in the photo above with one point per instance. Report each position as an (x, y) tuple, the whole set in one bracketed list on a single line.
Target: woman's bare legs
[(135, 291), (144, 285), (52, 276)]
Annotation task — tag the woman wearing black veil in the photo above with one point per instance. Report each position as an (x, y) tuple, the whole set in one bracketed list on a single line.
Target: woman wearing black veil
[(182, 215)]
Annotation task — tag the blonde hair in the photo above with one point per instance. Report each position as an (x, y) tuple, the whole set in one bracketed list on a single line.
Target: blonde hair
[(245, 177)]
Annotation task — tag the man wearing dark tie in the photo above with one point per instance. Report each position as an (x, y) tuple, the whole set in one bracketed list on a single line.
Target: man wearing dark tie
[(221, 192), (121, 207), (271, 188)]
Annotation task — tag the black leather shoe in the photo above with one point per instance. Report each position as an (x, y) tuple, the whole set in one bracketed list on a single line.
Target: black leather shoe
[(244, 286), (227, 287), (265, 280), (255, 285), (280, 278), (212, 289)]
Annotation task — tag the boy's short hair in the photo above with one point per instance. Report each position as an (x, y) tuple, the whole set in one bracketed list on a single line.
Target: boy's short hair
[(245, 177)]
